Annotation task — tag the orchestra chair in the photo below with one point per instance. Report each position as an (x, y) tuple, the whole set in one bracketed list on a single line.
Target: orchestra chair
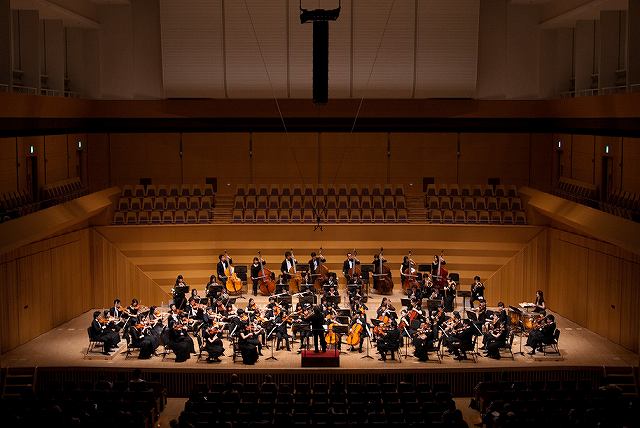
[(506, 350), (552, 343), (236, 354), (200, 341), (118, 217), (93, 343), (166, 350)]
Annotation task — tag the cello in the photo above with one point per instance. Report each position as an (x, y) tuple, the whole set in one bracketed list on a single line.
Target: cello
[(234, 284), (322, 274), (409, 275), (266, 282), (382, 280), (296, 277), (355, 333)]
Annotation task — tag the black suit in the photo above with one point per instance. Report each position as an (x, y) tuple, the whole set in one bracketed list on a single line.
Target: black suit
[(317, 327), (313, 264), (222, 265), (256, 272), (284, 270)]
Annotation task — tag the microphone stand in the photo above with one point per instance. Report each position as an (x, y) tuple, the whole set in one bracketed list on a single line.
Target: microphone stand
[(273, 339), (366, 326), (406, 343)]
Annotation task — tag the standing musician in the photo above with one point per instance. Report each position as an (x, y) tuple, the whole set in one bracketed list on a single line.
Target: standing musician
[(314, 262), (249, 344), (224, 260), (286, 265), (449, 292), (542, 334), (477, 291), (212, 342), (423, 340), (407, 264), (179, 290), (348, 264), (301, 325), (502, 314), (316, 319), (540, 306), (388, 341), (99, 332), (436, 268), (256, 273)]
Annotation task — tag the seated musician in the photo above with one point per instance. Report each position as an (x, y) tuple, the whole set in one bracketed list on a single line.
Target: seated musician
[(252, 308), (348, 264), (481, 312), (213, 288), (307, 282), (389, 341), (357, 304), (256, 273), (540, 306), (385, 307), (496, 338), (331, 291), (287, 264), (133, 310), (359, 317), (115, 312), (179, 290), (423, 340), (174, 315), (435, 295), (196, 313), (439, 317), (414, 293), (212, 343), (477, 291), (314, 262), (100, 332), (458, 335), (502, 313), (223, 263), (542, 334), (281, 330), (144, 337)]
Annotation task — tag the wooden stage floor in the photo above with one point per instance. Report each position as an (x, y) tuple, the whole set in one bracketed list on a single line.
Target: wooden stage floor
[(65, 346)]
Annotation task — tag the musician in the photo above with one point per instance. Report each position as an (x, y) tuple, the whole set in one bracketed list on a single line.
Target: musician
[(316, 319), (249, 344), (481, 312), (414, 293), (439, 317), (307, 282), (386, 307), (423, 340), (143, 336), (436, 265), (540, 306), (99, 332), (502, 314), (133, 310), (389, 341), (348, 264), (281, 325), (541, 335), (115, 312), (460, 338), (212, 343), (376, 261), (407, 265), (223, 263), (302, 326), (180, 289), (286, 265), (496, 338), (256, 273), (314, 262), (174, 315), (331, 291), (359, 318), (477, 291), (449, 292), (435, 295), (213, 288)]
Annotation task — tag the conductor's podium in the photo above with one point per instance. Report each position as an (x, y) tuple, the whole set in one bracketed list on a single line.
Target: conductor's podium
[(330, 358)]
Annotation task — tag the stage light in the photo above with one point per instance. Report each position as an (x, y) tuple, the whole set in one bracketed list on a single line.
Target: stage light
[(79, 145), (606, 149), (559, 144), (32, 150)]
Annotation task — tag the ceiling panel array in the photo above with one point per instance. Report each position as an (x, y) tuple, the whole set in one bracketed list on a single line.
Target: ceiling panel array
[(377, 48)]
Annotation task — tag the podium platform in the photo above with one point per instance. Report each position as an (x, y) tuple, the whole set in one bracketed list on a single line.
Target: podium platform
[(309, 358)]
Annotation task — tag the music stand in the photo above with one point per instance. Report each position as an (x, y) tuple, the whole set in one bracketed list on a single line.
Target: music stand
[(334, 300), (432, 304), (424, 268), (464, 294), (405, 303), (366, 270), (366, 328), (284, 300), (519, 328), (340, 330), (310, 298), (343, 312), (472, 316), (306, 328)]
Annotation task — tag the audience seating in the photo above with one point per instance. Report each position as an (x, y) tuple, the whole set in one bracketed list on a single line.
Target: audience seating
[(166, 204)]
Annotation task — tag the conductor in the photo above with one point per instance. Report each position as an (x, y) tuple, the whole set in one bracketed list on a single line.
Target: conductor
[(317, 323)]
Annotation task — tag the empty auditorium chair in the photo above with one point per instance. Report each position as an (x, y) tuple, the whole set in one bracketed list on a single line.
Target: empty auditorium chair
[(147, 204), (402, 215), (170, 203), (274, 202), (454, 190), (192, 217), (138, 191), (263, 190), (173, 190), (261, 215), (320, 204), (296, 202), (131, 218), (180, 216), (468, 204), (156, 217), (249, 215), (488, 191), (512, 191), (492, 203), (332, 202), (143, 217), (503, 204), (435, 216), (433, 203), (118, 217), (355, 216), (520, 218), (123, 204), (390, 215), (476, 190), (500, 191), (445, 203), (378, 215), (251, 190), (400, 202), (203, 216), (250, 202), (206, 203), (365, 202), (342, 190), (480, 203), (367, 216), (286, 190), (262, 202), (343, 215), (447, 216), (456, 203), (308, 190), (516, 204), (285, 202), (459, 217), (354, 190), (136, 204), (240, 190), (319, 190), (377, 202), (365, 190), (507, 217), (127, 191), (284, 216), (483, 217), (272, 215), (296, 190), (158, 203), (354, 202), (389, 202), (183, 203), (196, 190), (207, 190), (151, 191), (331, 216), (376, 190), (443, 190), (431, 190), (472, 216), (343, 202), (398, 191), (495, 217), (167, 217), (465, 190), (296, 215)]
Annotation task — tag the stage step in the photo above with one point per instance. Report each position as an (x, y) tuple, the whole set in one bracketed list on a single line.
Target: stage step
[(222, 212), (19, 382), (623, 378)]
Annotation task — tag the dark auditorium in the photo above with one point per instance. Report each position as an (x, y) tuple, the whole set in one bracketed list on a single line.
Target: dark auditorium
[(246, 213)]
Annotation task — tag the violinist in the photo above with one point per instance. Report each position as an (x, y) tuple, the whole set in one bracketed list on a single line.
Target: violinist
[(99, 332), (542, 334), (286, 265), (348, 264), (180, 341), (423, 340), (435, 295), (179, 290), (385, 307), (315, 262), (459, 336), (502, 314), (449, 291), (115, 312), (331, 291), (175, 315), (482, 314), (144, 337), (496, 339), (249, 345), (212, 342), (439, 317), (134, 310), (301, 325), (388, 340), (224, 261), (252, 308), (477, 291), (256, 273), (282, 322)]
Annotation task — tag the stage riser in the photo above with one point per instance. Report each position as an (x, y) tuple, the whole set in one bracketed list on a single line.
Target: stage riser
[(179, 383)]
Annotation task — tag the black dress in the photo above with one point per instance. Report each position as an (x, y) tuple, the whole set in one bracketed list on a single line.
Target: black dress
[(248, 343), (212, 343), (181, 344)]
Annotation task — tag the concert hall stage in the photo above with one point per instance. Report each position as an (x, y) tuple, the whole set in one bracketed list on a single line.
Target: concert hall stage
[(59, 356)]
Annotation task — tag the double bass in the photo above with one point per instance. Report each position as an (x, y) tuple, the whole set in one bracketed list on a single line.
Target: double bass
[(356, 270), (440, 278), (322, 274), (409, 275), (234, 284), (382, 280), (295, 277), (266, 282)]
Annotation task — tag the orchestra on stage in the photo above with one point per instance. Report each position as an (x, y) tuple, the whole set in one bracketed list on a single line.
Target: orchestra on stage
[(305, 306)]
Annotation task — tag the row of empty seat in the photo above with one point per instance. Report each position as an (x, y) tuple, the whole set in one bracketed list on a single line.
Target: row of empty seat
[(490, 203), (473, 216), (16, 204), (319, 202), (311, 216), (577, 191), (62, 191), (487, 190), (151, 190), (623, 204), (162, 217), (170, 203), (320, 190)]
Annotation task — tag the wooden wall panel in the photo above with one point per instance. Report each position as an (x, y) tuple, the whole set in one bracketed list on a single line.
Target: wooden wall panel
[(9, 334), (353, 158), (542, 157), (56, 158), (98, 162), (285, 158), (582, 158), (8, 176), (414, 156), (630, 162), (484, 156)]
